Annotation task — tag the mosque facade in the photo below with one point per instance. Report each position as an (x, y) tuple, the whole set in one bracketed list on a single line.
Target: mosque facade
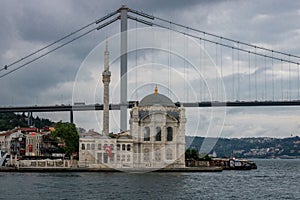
[(156, 138)]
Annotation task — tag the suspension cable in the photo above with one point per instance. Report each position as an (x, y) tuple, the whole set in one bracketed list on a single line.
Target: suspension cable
[(60, 46), (298, 69), (281, 82), (204, 89), (255, 53), (238, 73), (169, 62), (136, 62), (152, 54), (233, 81), (290, 93), (217, 80), (59, 40), (265, 93), (249, 66), (187, 66), (211, 34), (200, 66), (273, 95), (213, 42), (184, 67), (255, 76), (221, 52)]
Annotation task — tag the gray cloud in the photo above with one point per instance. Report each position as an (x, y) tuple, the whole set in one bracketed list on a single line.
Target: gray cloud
[(27, 26)]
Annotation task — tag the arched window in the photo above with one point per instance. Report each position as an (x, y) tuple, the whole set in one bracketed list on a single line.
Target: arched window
[(88, 147), (146, 155), (147, 134), (169, 134), (82, 146), (123, 147), (158, 134), (93, 146), (128, 147), (169, 154), (99, 146), (112, 146), (118, 147)]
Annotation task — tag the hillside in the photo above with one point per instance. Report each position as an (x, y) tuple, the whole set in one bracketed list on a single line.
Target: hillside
[(249, 147), (263, 147), (9, 121)]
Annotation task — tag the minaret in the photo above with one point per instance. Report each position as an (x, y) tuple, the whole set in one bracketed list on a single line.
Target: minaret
[(106, 80)]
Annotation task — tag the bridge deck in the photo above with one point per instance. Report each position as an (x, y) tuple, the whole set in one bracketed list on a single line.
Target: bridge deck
[(91, 107)]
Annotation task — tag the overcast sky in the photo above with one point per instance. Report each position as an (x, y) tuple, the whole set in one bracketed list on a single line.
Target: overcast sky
[(29, 25)]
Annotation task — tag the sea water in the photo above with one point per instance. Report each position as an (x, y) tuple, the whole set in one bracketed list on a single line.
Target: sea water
[(274, 179)]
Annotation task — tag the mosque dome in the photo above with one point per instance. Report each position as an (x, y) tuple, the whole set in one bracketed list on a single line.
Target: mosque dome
[(156, 99)]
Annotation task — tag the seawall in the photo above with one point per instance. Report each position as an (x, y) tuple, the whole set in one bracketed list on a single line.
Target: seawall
[(46, 170)]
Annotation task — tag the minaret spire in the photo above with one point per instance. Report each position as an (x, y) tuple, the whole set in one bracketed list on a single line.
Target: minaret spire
[(106, 56), (156, 89), (106, 80)]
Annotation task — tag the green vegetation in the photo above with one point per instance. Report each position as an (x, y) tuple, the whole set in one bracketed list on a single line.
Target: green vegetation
[(263, 147), (193, 154), (67, 136), (41, 123), (9, 121), (111, 135)]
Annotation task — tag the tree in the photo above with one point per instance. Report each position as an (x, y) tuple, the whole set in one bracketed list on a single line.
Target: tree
[(10, 120), (191, 154), (66, 133)]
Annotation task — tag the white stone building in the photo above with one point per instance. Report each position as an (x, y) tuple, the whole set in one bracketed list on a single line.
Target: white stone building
[(156, 139)]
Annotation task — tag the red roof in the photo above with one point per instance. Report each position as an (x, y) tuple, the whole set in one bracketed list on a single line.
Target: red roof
[(29, 129), (6, 133)]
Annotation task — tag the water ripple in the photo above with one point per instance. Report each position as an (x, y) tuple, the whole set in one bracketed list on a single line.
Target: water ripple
[(274, 179)]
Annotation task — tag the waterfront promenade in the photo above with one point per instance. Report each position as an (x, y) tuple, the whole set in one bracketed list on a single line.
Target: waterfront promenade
[(188, 169)]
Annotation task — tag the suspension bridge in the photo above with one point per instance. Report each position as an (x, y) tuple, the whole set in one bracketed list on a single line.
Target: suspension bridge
[(250, 75)]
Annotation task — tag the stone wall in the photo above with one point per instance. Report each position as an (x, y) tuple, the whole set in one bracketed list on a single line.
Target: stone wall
[(47, 163)]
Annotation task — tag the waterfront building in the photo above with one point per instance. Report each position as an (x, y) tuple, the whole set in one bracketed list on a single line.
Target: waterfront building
[(158, 130), (33, 144), (156, 138), (28, 142), (18, 144), (5, 139), (13, 141)]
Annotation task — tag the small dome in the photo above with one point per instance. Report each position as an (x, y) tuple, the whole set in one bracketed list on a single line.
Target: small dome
[(156, 99)]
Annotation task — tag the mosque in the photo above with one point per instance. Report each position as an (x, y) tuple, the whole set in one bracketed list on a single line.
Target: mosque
[(156, 138)]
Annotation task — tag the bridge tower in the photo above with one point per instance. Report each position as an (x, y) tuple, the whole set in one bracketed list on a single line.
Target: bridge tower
[(106, 80), (123, 86)]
